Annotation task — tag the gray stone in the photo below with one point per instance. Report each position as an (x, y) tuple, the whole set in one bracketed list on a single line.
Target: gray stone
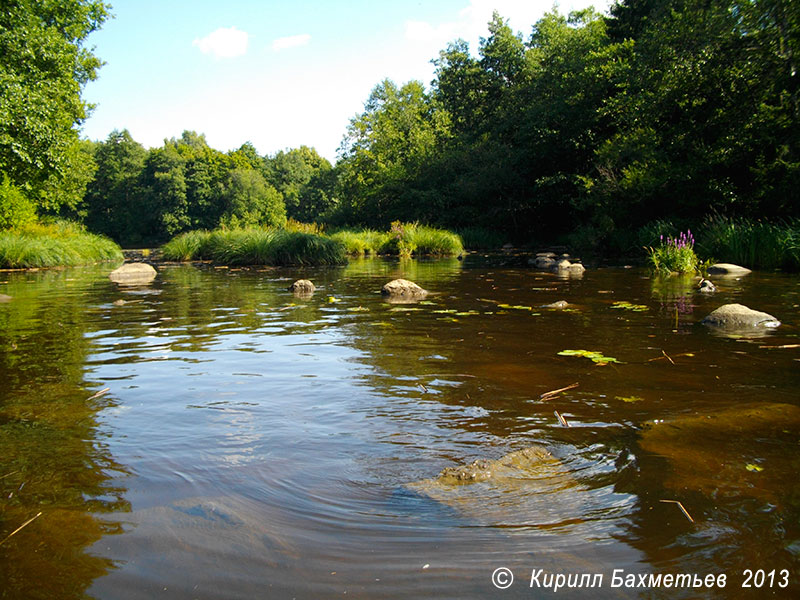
[(728, 270), (737, 317), (132, 274), (302, 287), (402, 290)]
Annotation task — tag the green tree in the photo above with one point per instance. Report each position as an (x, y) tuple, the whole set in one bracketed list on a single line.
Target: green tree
[(114, 198), (164, 184), (251, 201), (301, 175), (43, 69)]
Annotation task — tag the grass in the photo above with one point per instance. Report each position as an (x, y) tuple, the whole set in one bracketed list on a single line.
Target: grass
[(753, 244), (364, 241), (61, 243), (255, 246), (403, 239), (478, 238)]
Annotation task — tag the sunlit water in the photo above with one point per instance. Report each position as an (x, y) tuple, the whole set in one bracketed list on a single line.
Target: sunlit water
[(256, 445)]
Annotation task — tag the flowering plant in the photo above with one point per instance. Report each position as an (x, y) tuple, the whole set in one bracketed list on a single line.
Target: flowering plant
[(675, 255)]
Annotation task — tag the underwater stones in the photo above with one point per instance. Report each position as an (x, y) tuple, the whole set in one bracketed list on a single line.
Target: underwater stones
[(728, 270), (402, 290), (5, 298), (560, 265), (738, 317), (302, 287), (131, 274)]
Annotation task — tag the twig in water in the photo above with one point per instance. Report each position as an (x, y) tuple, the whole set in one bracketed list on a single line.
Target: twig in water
[(683, 510), (424, 389), (21, 527), (783, 347), (667, 357), (550, 394), (8, 474), (102, 392), (561, 419)]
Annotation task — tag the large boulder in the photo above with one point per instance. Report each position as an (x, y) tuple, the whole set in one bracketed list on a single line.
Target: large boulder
[(728, 270), (132, 274), (738, 317), (402, 290), (302, 287)]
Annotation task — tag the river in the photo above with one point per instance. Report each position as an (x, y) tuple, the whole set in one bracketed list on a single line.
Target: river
[(251, 444)]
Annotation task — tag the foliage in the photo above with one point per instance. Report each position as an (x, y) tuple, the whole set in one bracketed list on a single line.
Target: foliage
[(674, 255), (755, 244), (15, 208), (43, 69), (596, 357), (359, 243), (255, 246), (57, 244), (478, 238)]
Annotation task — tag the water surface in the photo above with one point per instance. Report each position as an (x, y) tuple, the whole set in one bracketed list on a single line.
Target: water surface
[(254, 444)]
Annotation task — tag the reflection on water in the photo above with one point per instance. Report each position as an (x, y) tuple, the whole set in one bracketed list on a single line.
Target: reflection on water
[(256, 444)]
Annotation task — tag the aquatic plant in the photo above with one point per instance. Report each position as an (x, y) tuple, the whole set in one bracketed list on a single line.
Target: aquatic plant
[(359, 243), (186, 246), (594, 356), (674, 255), (754, 244), (403, 239), (478, 238), (61, 243)]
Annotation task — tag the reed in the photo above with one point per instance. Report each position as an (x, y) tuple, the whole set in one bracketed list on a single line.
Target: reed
[(478, 238), (754, 244)]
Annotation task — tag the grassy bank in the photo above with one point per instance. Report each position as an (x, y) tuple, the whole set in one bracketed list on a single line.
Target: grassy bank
[(256, 247), (53, 245)]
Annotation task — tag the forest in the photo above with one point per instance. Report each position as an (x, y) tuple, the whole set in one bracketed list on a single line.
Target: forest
[(582, 130)]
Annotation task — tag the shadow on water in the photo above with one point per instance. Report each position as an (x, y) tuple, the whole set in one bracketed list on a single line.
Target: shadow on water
[(260, 443)]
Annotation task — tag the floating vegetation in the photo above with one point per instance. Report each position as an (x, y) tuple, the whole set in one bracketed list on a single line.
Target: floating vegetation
[(468, 313), (629, 306), (446, 311), (405, 309), (754, 468), (333, 300), (515, 307), (358, 309), (595, 357), (630, 398)]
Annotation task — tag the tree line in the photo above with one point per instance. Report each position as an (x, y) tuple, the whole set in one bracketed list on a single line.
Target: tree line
[(587, 125)]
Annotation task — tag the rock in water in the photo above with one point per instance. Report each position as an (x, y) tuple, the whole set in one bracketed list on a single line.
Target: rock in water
[(737, 317), (302, 287), (5, 298), (728, 270), (137, 273), (559, 305), (402, 290), (707, 287)]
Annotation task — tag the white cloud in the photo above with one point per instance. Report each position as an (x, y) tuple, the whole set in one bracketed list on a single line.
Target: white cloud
[(293, 41), (223, 43)]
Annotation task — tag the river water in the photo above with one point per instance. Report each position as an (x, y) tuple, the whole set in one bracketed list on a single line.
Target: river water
[(256, 445)]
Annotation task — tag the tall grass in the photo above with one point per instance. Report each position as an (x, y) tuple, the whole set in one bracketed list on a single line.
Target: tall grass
[(364, 241), (674, 255), (754, 244), (403, 239), (256, 247), (478, 238), (56, 244)]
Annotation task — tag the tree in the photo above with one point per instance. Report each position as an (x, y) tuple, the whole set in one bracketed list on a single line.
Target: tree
[(115, 198), (43, 69), (251, 201), (302, 177), (164, 182)]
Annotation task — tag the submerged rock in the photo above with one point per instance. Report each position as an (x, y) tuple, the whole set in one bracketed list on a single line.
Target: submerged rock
[(402, 290), (728, 270), (558, 305), (137, 273), (302, 287), (707, 287), (511, 466), (4, 298), (738, 317)]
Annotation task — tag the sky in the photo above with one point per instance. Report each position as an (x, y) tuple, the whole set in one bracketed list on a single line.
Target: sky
[(277, 74)]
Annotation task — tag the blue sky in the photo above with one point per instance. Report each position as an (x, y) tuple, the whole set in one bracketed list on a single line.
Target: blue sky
[(278, 74)]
